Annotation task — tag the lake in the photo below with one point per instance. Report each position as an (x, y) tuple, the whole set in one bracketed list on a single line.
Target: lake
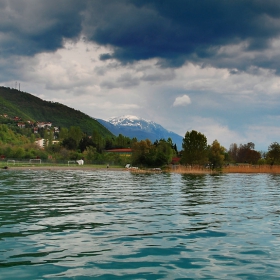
[(118, 225)]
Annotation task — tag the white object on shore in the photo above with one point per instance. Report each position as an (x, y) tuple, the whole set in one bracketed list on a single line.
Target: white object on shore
[(80, 162)]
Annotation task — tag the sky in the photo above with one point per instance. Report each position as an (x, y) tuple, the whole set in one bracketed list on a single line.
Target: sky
[(211, 65)]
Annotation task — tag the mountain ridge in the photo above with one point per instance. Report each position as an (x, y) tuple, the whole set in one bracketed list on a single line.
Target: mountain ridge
[(132, 126), (32, 108)]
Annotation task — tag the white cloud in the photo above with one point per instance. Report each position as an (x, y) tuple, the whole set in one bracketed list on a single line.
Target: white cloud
[(215, 130), (75, 76), (182, 100), (263, 135), (110, 105)]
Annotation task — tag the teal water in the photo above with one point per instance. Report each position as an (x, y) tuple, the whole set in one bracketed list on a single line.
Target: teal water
[(118, 225)]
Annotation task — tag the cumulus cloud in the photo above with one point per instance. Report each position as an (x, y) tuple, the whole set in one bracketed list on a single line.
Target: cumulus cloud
[(182, 100)]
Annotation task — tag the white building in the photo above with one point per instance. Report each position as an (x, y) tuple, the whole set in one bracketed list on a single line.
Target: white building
[(44, 124), (40, 142)]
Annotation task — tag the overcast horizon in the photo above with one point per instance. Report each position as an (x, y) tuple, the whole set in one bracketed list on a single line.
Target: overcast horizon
[(211, 65)]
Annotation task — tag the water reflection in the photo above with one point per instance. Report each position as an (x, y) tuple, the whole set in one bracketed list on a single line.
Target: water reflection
[(203, 197), (194, 189)]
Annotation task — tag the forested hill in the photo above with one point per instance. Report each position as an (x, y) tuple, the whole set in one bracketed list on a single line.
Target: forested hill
[(29, 107)]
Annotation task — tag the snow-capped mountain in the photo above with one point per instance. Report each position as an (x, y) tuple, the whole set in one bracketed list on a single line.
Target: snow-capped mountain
[(136, 123), (142, 129)]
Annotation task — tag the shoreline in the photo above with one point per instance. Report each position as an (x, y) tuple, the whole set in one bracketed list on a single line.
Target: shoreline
[(61, 168), (245, 170)]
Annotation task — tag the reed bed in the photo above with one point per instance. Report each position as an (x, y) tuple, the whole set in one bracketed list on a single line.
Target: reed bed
[(252, 169), (275, 169), (196, 169)]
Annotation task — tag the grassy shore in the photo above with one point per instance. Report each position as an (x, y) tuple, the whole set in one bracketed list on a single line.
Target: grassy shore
[(275, 169), (54, 166)]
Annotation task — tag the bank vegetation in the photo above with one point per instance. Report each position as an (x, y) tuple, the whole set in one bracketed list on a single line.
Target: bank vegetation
[(195, 156)]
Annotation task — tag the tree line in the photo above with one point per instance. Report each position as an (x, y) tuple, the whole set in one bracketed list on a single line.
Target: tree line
[(74, 144), (196, 151)]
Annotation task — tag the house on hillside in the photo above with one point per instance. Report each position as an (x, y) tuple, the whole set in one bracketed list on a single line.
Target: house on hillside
[(21, 125), (31, 123), (40, 142), (44, 124)]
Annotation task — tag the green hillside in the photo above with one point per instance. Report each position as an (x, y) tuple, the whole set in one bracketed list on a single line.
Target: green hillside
[(29, 107)]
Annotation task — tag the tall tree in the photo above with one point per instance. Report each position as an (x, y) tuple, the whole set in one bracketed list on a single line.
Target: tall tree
[(85, 142), (247, 154), (63, 133), (122, 141), (165, 152), (233, 152), (99, 142), (75, 133), (273, 154), (140, 152), (216, 154), (194, 148), (69, 143)]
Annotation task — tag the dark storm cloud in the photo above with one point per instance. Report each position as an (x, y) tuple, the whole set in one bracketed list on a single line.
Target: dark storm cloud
[(173, 31), (177, 31), (28, 27)]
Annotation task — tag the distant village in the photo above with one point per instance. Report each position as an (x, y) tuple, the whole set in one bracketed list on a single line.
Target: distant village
[(35, 126)]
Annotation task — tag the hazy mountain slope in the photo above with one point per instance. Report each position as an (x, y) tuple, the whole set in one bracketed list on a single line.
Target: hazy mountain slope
[(132, 126), (30, 107)]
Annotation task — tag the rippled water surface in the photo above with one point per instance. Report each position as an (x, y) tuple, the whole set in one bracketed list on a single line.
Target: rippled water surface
[(118, 225)]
